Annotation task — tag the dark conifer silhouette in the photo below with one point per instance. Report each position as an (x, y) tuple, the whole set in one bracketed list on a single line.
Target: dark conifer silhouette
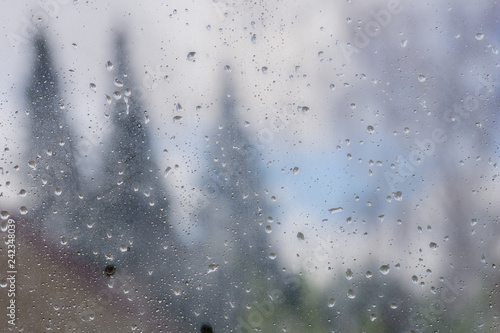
[(54, 174)]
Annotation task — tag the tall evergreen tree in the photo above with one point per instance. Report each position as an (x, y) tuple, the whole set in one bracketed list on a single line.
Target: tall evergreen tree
[(54, 173), (235, 219), (133, 233)]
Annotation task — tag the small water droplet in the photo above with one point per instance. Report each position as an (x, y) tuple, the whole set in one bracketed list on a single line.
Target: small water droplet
[(212, 268), (433, 246), (123, 248), (272, 256), (4, 214), (227, 69), (108, 99), (332, 86), (335, 210), (264, 70), (370, 129), (414, 279), (398, 196), (176, 118), (64, 240), (295, 170), (178, 107), (269, 229), (421, 78), (117, 95), (22, 193), (109, 66), (479, 36), (349, 274), (254, 38), (404, 42), (384, 269), (58, 191), (191, 56), (373, 317), (93, 87), (167, 171), (331, 302), (351, 294), (23, 210), (32, 164), (300, 236)]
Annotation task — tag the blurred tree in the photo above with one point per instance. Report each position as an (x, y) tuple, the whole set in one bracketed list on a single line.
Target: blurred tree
[(237, 251), (55, 181)]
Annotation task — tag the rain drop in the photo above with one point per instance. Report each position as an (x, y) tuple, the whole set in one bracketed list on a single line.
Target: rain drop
[(191, 56), (335, 210), (479, 36), (300, 236), (109, 66), (331, 302), (23, 210), (93, 87), (384, 269), (295, 170), (433, 246), (421, 78)]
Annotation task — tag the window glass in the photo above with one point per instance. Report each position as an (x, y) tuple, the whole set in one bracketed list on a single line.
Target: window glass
[(220, 166)]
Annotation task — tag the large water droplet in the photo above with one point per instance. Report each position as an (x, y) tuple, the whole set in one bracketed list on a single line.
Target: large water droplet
[(191, 56), (335, 210), (384, 269), (331, 302), (349, 274), (109, 66)]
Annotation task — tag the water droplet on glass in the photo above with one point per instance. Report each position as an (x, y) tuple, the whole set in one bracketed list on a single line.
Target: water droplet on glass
[(177, 291), (272, 256), (351, 294), (254, 38), (176, 118), (22, 193), (421, 78), (64, 240), (331, 302), (269, 229), (32, 164), (433, 246), (123, 248), (393, 306), (58, 191), (479, 36), (191, 56), (4, 225), (370, 129), (212, 268), (167, 171), (93, 87), (300, 236), (23, 210), (108, 99), (414, 279), (264, 70), (384, 269), (117, 95), (404, 42), (109, 66), (227, 69), (373, 316), (335, 210), (332, 86), (398, 196), (349, 274), (295, 170)]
